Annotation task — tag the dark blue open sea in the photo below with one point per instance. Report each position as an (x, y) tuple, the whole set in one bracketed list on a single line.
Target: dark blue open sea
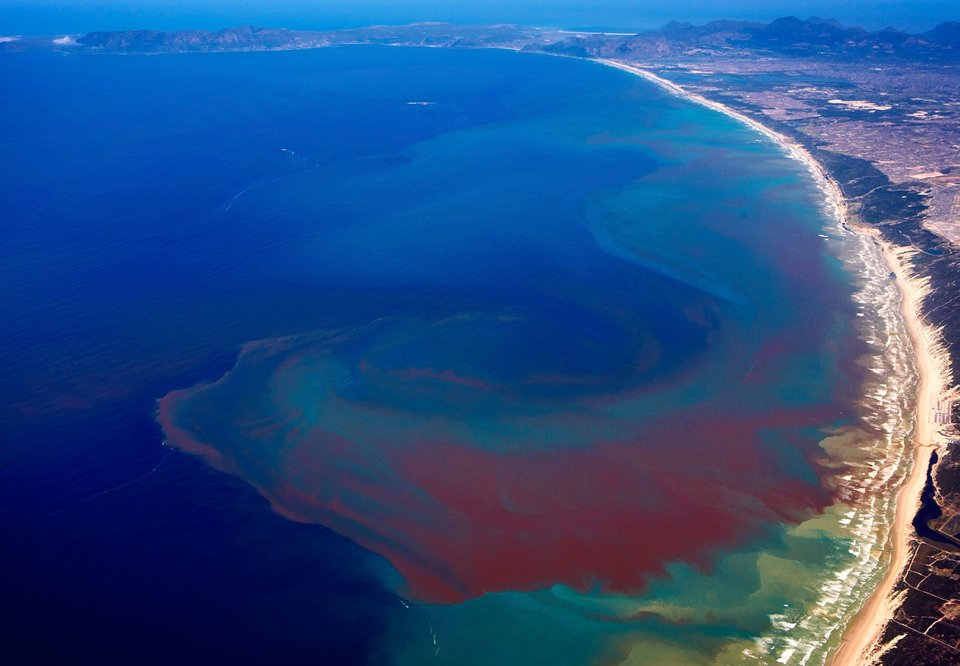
[(379, 355)]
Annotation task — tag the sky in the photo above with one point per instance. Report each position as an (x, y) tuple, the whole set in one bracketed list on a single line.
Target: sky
[(76, 16)]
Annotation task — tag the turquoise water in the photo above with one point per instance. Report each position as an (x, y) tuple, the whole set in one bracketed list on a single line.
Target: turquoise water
[(551, 356)]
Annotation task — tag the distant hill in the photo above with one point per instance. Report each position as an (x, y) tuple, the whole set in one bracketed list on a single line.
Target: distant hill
[(263, 39), (947, 34), (230, 39), (787, 36)]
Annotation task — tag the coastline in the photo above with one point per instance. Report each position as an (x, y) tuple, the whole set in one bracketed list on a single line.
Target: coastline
[(797, 152), (859, 643), (859, 638)]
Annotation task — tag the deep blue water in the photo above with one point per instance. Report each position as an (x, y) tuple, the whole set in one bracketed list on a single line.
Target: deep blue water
[(121, 283), (604, 239)]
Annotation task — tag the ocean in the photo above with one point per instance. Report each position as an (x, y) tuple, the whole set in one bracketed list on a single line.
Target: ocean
[(506, 359)]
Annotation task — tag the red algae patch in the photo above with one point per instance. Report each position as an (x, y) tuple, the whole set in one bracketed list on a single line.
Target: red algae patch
[(467, 488)]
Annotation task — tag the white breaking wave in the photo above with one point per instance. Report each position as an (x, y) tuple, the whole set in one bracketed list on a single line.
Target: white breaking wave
[(879, 454), (880, 458)]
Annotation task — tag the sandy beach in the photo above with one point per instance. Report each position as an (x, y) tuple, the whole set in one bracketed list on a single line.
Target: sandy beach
[(859, 643), (862, 635), (830, 188)]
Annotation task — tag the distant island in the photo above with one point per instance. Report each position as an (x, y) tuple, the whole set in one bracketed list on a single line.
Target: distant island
[(878, 114)]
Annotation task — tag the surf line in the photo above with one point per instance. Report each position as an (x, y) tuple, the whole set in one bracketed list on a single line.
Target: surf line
[(860, 638)]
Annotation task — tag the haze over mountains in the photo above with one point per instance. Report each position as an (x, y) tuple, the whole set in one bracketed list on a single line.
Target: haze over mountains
[(788, 36), (46, 17)]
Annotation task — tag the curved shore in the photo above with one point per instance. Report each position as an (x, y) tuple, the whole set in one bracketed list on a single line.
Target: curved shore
[(860, 638)]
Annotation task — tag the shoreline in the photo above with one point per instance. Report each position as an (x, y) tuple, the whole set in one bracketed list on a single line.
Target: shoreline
[(794, 150), (859, 639)]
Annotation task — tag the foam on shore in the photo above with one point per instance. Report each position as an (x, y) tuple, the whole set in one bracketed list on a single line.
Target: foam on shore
[(909, 367)]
